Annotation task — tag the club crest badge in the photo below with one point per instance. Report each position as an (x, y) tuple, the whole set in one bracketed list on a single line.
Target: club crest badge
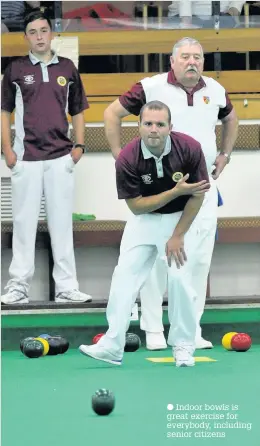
[(61, 81), (206, 99), (177, 176)]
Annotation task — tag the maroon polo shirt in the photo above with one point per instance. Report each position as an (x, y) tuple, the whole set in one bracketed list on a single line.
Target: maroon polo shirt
[(134, 99), (138, 176), (41, 96)]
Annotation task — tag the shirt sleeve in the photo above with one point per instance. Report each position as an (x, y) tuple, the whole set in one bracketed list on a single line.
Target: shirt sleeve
[(224, 111), (8, 91), (133, 99), (77, 101), (197, 164), (127, 180)]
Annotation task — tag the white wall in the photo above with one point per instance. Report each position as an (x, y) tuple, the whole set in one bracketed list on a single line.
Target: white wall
[(239, 185), (95, 191), (235, 270)]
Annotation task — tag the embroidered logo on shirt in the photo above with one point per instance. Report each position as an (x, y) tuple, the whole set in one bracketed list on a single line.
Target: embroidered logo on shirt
[(177, 176), (147, 178), (206, 99), (61, 81), (29, 79)]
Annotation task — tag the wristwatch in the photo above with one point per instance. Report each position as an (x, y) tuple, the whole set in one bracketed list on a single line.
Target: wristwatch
[(228, 157), (82, 146)]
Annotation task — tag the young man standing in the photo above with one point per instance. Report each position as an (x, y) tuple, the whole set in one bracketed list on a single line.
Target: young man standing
[(42, 87), (162, 175)]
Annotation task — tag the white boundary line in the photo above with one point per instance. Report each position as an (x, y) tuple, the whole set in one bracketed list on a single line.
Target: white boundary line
[(102, 310), (42, 312)]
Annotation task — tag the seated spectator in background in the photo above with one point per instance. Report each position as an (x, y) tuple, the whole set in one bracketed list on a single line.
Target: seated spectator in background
[(95, 16), (194, 14), (12, 14)]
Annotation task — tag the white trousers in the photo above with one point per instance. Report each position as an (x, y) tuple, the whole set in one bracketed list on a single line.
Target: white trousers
[(145, 237), (152, 293), (30, 179)]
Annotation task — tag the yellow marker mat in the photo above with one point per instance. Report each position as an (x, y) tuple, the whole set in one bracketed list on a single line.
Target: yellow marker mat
[(197, 359)]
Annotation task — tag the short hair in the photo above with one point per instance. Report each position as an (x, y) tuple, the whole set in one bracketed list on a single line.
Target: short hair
[(155, 105), (185, 41), (35, 15)]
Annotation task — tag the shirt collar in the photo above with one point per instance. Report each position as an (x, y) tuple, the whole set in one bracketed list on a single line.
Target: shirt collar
[(35, 59), (171, 79), (147, 154)]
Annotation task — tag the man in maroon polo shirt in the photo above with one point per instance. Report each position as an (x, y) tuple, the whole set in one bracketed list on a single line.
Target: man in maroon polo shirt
[(42, 88), (163, 178)]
